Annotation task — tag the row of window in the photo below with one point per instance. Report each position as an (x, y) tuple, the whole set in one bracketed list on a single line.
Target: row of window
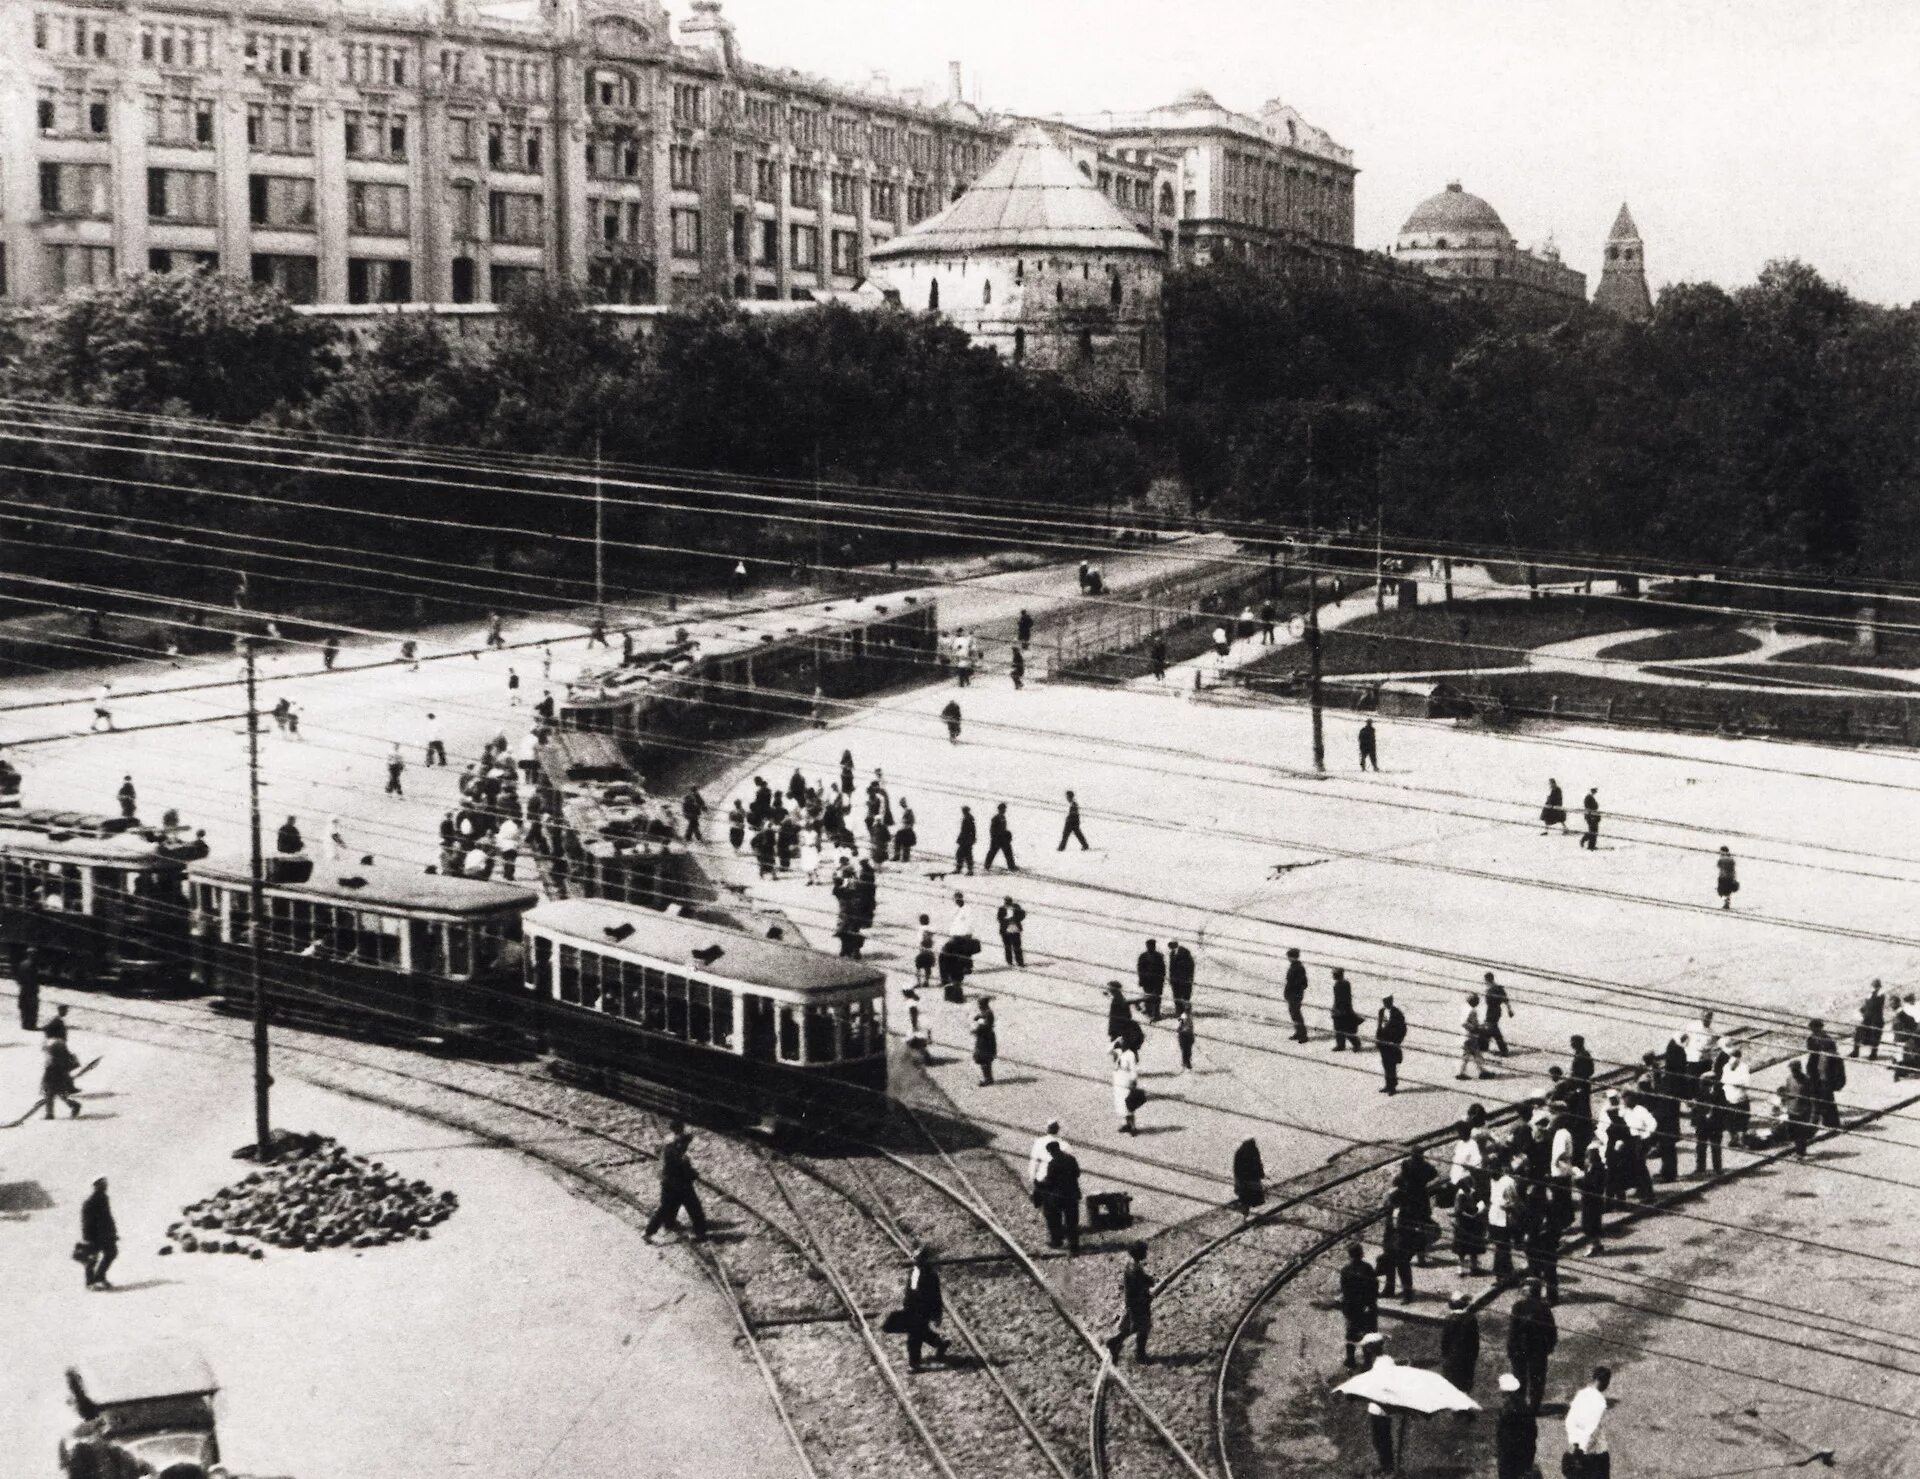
[(296, 926)]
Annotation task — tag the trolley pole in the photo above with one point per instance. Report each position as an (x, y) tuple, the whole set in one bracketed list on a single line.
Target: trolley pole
[(1313, 667), (257, 908), (599, 537)]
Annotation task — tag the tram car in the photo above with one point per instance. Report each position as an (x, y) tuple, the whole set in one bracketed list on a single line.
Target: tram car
[(731, 676), (704, 1020), (98, 904), (386, 952)]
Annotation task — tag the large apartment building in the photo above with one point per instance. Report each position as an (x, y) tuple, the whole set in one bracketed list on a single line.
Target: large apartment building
[(448, 150)]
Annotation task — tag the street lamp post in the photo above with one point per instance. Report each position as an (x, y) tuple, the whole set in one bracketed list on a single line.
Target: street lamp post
[(256, 966)]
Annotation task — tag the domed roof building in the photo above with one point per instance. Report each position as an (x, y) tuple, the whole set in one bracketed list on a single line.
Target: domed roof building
[(1036, 263), (1457, 236)]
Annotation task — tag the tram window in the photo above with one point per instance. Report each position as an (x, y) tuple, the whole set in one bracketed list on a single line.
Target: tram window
[(656, 1014), (722, 1017), (844, 1030), (613, 985), (69, 888), (426, 944), (866, 1030), (820, 1035), (699, 1012), (633, 990), (109, 880), (280, 931), (540, 967), (677, 1005), (13, 882), (590, 981), (789, 1035), (378, 941), (240, 926), (570, 974), (303, 933), (459, 946)]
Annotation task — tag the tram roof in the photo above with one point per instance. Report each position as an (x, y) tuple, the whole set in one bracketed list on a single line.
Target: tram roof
[(375, 885), (114, 850), (748, 959)]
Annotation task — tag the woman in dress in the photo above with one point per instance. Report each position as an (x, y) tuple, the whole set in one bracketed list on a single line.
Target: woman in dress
[(1554, 813), (1126, 1079)]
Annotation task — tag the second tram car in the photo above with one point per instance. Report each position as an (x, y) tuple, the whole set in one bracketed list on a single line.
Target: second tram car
[(86, 903), (385, 951), (707, 1020)]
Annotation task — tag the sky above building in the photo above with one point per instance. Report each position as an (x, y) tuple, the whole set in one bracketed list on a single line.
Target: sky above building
[(1738, 130)]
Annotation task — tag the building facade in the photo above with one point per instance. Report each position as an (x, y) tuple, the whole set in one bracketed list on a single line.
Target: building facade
[(1457, 237), (1036, 262), (1623, 272), (441, 150)]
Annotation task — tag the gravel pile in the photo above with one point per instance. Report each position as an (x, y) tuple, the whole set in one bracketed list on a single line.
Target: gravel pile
[(319, 1197)]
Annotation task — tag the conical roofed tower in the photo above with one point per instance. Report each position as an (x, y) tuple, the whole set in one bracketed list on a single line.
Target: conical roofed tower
[(1623, 274)]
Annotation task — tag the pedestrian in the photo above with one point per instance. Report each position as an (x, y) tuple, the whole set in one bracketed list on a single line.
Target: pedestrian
[(923, 957), (906, 838), (293, 720), (693, 807), (1643, 1128), (1151, 971), (288, 840), (1249, 1177), (1726, 884), (1346, 1021), (678, 1180), (597, 634), (951, 713), (1122, 1030), (737, 825), (999, 840), (1532, 1334), (1157, 655), (1826, 1074), (1071, 827), (57, 1067), (1498, 1008), (1039, 1156), (282, 706), (1516, 1433), (1222, 641), (1060, 1197), (436, 745), (1012, 918), (544, 710), (1180, 973), (1593, 1200), (1586, 1416), (1389, 1032), (513, 688), (921, 1308), (1369, 746), (1798, 1113), (1467, 1160), (1473, 1042), (1023, 628), (1379, 1420), (1554, 813), (1183, 1038), (1400, 1239), (1873, 1018), (1136, 1304), (1469, 1226), (98, 1235), (102, 707), (1359, 1300), (1017, 667), (963, 843), (986, 1042), (330, 652), (1503, 1206), (1266, 623), (1591, 808), (1905, 1030), (1127, 1095), (1294, 992), (26, 979), (965, 654), (1708, 1123), (1736, 1094), (410, 655), (396, 766), (1460, 1342), (128, 798)]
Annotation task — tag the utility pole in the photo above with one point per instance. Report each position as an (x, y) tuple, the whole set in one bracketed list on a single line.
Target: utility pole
[(1313, 667), (1379, 558), (599, 538), (256, 936)]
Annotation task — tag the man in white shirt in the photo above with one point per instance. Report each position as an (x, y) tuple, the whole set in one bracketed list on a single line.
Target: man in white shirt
[(1643, 1127), (1585, 1416), (1467, 1159), (1502, 1200), (1038, 1158), (1736, 1087)]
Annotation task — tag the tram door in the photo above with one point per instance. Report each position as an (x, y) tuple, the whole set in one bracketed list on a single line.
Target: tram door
[(761, 1037)]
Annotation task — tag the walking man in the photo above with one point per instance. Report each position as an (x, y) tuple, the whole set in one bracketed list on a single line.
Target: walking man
[(1359, 1300), (396, 766), (999, 840), (1011, 917), (57, 1065), (1826, 1074), (1017, 666), (1516, 1433), (1157, 655), (1586, 1415), (1389, 1031), (128, 798), (1472, 1040), (1727, 882), (1873, 1020), (1295, 994), (1151, 969), (1136, 1297), (1498, 1006), (330, 653), (951, 713), (1369, 746), (1180, 974), (99, 1235), (923, 1308), (1060, 1197), (1346, 1021), (1460, 1342), (1591, 807), (677, 1182), (1023, 628), (963, 843), (1531, 1336), (693, 808), (1071, 827), (436, 746), (102, 712)]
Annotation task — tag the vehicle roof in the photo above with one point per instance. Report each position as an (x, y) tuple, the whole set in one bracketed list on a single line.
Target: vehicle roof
[(139, 1373), (585, 756), (124, 849), (746, 958), (395, 888)]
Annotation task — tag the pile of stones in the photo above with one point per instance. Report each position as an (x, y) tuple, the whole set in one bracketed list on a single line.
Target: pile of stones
[(319, 1198)]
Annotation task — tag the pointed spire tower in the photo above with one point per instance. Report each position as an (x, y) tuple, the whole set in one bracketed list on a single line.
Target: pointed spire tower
[(1623, 275)]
